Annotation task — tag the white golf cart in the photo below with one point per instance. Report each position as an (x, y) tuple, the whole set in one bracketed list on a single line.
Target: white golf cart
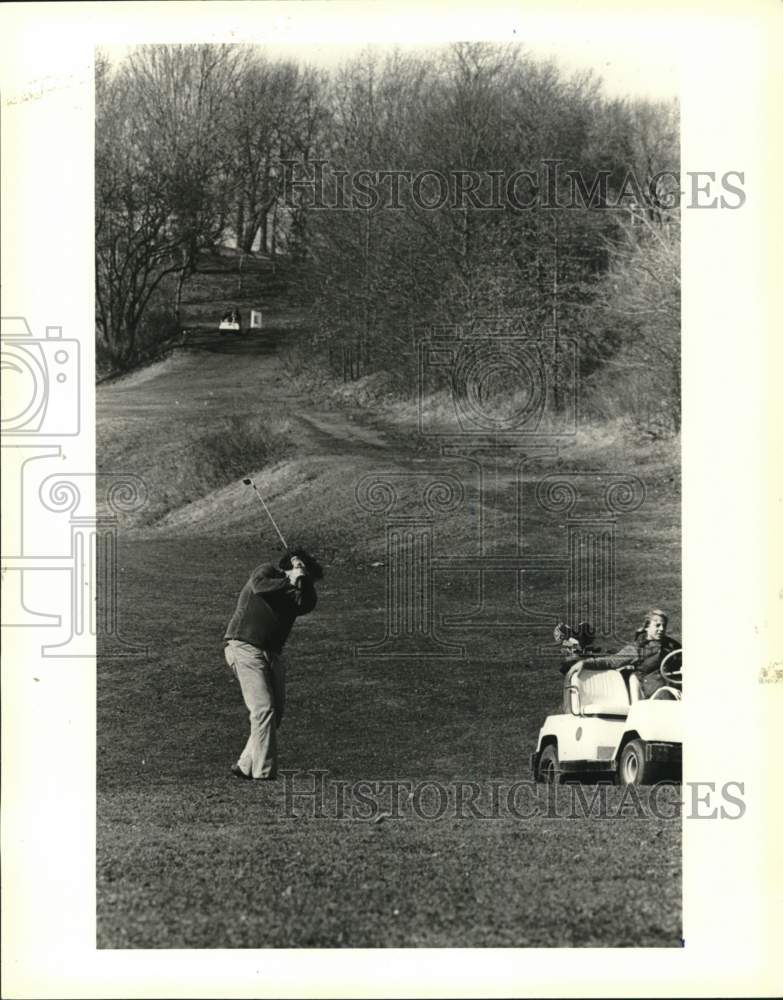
[(608, 730), (231, 323)]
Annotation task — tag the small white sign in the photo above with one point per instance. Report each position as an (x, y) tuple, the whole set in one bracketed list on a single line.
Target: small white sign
[(255, 320)]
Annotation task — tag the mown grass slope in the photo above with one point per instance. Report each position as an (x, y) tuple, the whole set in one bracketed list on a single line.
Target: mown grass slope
[(190, 857)]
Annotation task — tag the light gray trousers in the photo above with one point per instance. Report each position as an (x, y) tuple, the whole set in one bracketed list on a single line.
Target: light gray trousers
[(261, 677)]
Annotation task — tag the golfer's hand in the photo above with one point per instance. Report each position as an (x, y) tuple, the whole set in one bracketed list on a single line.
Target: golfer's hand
[(294, 574)]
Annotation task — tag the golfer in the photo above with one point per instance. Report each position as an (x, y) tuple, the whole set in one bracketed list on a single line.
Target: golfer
[(267, 607), (645, 654)]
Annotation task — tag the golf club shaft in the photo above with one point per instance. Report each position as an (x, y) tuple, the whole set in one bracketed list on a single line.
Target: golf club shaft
[(269, 514)]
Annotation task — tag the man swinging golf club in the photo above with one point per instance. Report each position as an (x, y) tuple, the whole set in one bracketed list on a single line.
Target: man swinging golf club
[(269, 603)]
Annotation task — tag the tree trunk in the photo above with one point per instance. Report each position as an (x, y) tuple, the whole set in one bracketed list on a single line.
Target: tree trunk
[(246, 246), (181, 274), (240, 219), (121, 341), (677, 399), (264, 231), (274, 231)]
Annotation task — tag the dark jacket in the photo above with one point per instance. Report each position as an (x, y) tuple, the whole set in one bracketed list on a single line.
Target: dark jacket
[(267, 607), (645, 656)]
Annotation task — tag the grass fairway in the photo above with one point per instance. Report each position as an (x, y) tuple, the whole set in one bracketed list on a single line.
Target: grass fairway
[(190, 857)]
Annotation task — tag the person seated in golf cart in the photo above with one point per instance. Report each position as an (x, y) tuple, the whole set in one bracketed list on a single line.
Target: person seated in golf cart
[(575, 643), (645, 654)]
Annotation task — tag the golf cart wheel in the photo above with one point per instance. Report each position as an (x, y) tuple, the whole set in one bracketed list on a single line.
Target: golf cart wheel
[(633, 769), (548, 770)]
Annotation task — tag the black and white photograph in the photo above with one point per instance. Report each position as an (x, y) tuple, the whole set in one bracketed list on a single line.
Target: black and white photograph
[(377, 484), (406, 318)]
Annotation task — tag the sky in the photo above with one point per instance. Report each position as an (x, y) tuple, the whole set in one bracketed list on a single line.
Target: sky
[(625, 70), (627, 65)]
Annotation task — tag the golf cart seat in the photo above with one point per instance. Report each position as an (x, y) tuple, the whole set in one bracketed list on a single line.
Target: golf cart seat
[(634, 687), (597, 692)]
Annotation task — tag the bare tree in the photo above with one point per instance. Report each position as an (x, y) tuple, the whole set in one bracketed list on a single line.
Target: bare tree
[(158, 172), (258, 118), (192, 143), (640, 300)]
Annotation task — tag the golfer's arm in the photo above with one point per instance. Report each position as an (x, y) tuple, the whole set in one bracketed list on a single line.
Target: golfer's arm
[(627, 657), (304, 596), (269, 580)]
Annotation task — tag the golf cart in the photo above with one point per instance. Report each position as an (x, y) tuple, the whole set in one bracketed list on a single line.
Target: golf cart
[(608, 730), (230, 323)]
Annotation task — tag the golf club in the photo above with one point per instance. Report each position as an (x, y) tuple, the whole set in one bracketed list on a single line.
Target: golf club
[(249, 482)]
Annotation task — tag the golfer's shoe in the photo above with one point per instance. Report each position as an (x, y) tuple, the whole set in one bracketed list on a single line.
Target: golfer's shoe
[(237, 771)]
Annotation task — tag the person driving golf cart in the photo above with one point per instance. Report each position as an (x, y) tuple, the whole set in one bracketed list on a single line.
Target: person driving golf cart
[(645, 654), (621, 715)]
